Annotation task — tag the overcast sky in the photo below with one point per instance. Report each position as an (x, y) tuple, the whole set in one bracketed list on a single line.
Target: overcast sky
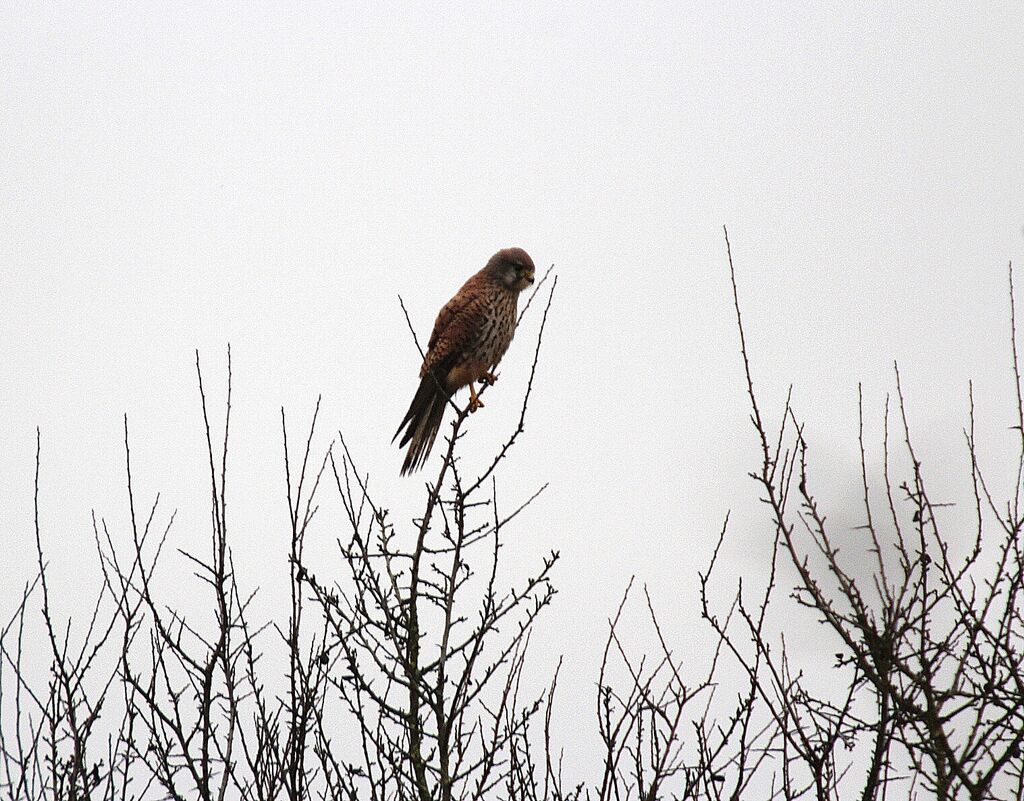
[(186, 176)]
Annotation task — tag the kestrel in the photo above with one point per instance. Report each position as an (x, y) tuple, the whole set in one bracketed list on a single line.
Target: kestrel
[(471, 334)]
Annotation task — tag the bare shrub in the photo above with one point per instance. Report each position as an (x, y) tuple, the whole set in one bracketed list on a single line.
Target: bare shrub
[(406, 672)]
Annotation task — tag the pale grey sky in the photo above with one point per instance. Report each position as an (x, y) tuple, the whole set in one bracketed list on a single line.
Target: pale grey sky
[(183, 176)]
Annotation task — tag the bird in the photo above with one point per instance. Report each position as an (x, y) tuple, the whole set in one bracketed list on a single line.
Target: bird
[(471, 334)]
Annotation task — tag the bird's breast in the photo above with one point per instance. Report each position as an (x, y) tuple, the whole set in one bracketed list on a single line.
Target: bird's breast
[(497, 329)]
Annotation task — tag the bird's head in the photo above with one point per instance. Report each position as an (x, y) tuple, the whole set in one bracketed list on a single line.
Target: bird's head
[(513, 267)]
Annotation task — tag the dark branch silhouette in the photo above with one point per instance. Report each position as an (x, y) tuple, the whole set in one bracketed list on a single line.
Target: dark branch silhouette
[(397, 669)]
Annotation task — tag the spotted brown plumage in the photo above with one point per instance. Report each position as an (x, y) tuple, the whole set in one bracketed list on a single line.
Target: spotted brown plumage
[(471, 334)]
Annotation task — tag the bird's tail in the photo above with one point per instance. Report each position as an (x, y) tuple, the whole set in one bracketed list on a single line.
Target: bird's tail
[(422, 422)]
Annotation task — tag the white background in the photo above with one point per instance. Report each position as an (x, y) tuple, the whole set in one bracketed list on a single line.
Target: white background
[(184, 177)]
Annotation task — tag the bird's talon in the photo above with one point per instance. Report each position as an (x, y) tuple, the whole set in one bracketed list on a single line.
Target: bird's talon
[(474, 400), (489, 379)]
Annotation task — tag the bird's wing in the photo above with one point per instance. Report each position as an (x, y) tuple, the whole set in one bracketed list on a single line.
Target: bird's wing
[(456, 327)]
